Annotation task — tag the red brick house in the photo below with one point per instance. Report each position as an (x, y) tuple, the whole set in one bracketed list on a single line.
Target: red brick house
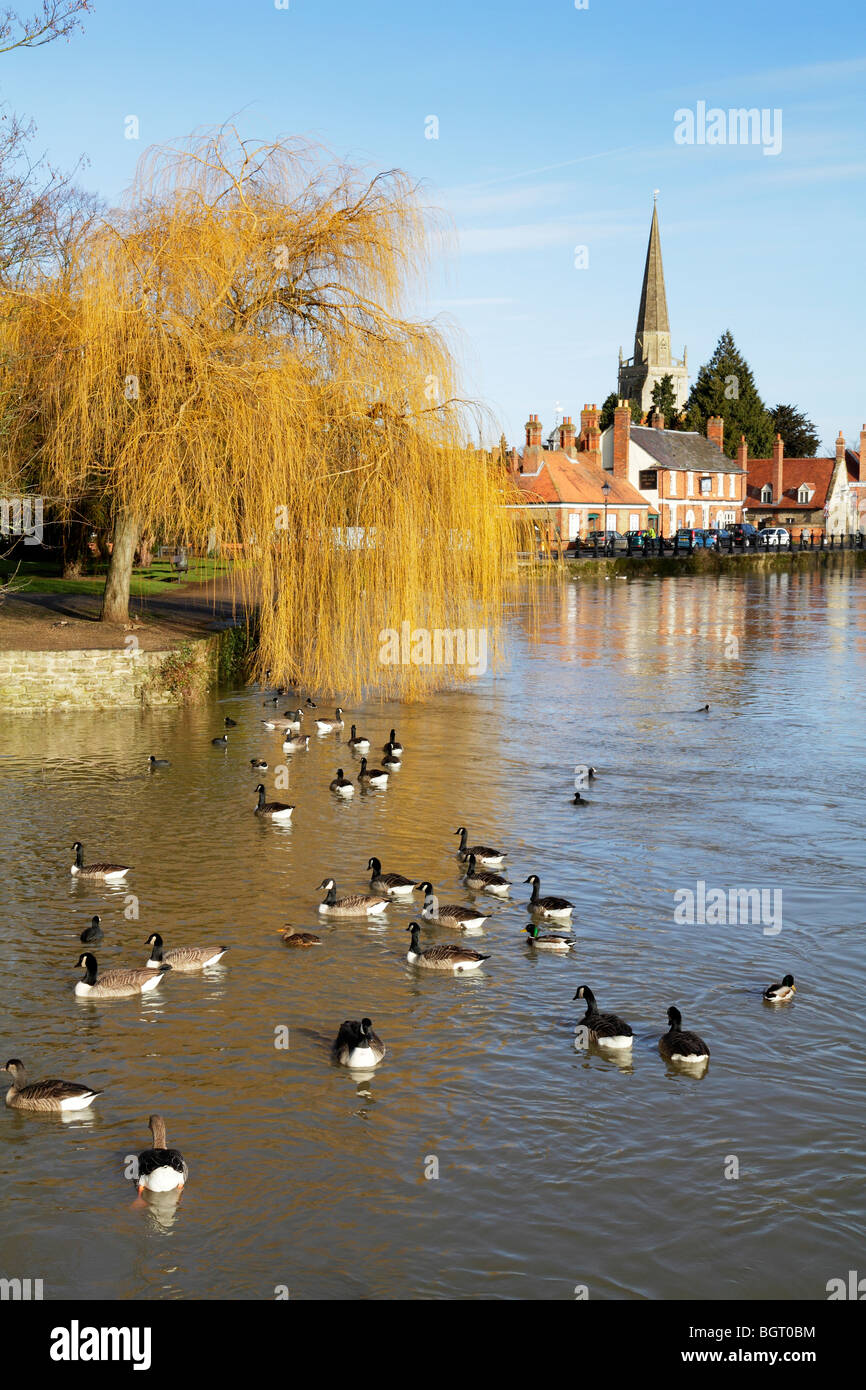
[(815, 495)]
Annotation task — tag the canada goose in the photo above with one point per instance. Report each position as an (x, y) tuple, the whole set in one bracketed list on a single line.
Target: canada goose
[(393, 885), (777, 994), (259, 764), (342, 786), (157, 762), (483, 881), (547, 943), (449, 914), (704, 709), (222, 742), (330, 726), (607, 1030), (230, 723), (160, 1169), (678, 1046), (353, 905), (457, 959), (489, 858), (547, 907), (106, 873), (300, 939), (272, 810), (584, 772), (356, 1045), (45, 1095), (183, 958), (289, 723), (373, 776), (391, 762), (294, 743), (115, 984), (358, 745), (92, 933), (392, 746)]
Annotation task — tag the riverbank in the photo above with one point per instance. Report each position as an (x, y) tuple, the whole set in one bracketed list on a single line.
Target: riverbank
[(710, 563)]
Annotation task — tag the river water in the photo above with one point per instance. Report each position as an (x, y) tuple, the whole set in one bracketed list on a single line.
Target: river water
[(487, 1157)]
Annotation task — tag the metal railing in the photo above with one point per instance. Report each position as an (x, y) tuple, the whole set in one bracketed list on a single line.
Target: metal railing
[(653, 547)]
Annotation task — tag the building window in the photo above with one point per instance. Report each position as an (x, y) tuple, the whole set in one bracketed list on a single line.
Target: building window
[(706, 485), (804, 493), (690, 483), (731, 487), (766, 493), (673, 478)]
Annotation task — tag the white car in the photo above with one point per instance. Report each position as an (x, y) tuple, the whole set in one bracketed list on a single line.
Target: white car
[(774, 535)]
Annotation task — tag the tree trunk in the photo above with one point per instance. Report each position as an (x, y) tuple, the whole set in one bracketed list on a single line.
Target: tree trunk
[(115, 602), (74, 548)]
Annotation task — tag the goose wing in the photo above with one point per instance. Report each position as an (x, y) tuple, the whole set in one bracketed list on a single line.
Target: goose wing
[(360, 900), (455, 912), (553, 904), (53, 1089), (689, 1045), (101, 868), (151, 1159), (485, 852), (396, 881), (608, 1026), (131, 979), (192, 955), (452, 954)]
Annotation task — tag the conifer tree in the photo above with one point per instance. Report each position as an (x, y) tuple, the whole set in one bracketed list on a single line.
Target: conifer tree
[(726, 386)]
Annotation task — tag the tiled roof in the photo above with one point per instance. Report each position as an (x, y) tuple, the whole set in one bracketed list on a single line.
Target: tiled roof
[(816, 473), (577, 482), (856, 474), (683, 450)]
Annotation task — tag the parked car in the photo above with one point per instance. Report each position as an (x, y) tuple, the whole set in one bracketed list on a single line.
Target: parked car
[(744, 533), (774, 535), (638, 538), (691, 539), (721, 536), (607, 540)]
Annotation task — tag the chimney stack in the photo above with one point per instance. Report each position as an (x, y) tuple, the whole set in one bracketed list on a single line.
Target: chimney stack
[(863, 453), (716, 431), (778, 455), (621, 438), (533, 432), (743, 453), (840, 448), (566, 436), (657, 420)]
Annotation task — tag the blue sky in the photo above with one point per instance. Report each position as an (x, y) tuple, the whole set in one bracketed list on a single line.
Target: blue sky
[(555, 125)]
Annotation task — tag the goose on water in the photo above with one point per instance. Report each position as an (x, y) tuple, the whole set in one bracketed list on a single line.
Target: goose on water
[(356, 743), (115, 984), (678, 1046), (606, 1030), (450, 914), (160, 1169), (394, 885), (456, 959), (184, 958), (352, 905), (342, 786), (487, 857), (330, 726), (104, 873), (392, 746), (484, 882), (372, 776), (356, 1045), (293, 743), (92, 933), (290, 721), (48, 1095), (550, 907), (271, 810)]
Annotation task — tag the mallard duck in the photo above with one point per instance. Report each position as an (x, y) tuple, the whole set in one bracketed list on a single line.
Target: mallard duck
[(373, 776), (489, 858), (184, 958), (358, 745), (258, 764), (778, 994), (271, 810), (555, 908), (293, 743), (353, 905), (392, 746), (310, 703), (160, 1169), (45, 1095), (547, 943), (393, 885), (330, 726), (449, 914), (356, 1045), (153, 762), (115, 984), (606, 1030), (482, 881), (677, 1046), (92, 933), (342, 786), (456, 959), (300, 939), (105, 873)]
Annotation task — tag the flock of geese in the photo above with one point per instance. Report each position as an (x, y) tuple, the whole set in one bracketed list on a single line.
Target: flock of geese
[(163, 1170)]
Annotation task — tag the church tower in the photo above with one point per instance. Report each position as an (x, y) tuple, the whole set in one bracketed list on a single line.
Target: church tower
[(652, 340)]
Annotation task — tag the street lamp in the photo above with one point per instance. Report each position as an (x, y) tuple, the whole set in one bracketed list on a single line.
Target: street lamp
[(605, 489)]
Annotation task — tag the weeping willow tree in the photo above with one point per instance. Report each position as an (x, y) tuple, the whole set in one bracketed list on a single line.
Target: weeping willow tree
[(231, 356)]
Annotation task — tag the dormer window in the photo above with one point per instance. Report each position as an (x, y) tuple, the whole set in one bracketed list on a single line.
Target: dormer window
[(766, 493), (805, 493)]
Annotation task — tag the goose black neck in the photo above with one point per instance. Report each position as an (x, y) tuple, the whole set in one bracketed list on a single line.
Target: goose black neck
[(261, 797), (156, 949), (462, 840), (90, 970), (534, 898), (79, 857), (332, 895)]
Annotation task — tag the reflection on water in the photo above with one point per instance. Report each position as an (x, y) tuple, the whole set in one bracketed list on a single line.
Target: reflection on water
[(306, 1178)]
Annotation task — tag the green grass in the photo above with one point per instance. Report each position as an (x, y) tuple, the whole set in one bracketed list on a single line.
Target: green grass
[(36, 577)]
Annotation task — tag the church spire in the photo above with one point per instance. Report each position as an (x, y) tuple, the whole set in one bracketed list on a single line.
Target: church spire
[(653, 313)]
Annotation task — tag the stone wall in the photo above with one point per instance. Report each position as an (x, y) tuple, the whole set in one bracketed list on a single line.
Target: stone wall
[(107, 679)]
